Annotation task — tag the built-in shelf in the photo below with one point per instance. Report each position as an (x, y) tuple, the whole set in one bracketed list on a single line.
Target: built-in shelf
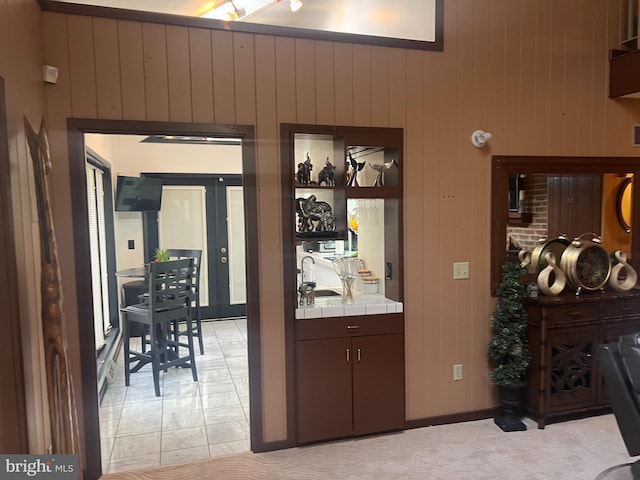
[(520, 218)]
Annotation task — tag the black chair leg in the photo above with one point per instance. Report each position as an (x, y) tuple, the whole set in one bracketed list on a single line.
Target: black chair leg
[(199, 327), (155, 352), (125, 335)]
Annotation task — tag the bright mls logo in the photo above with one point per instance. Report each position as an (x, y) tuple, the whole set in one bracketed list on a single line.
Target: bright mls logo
[(51, 467)]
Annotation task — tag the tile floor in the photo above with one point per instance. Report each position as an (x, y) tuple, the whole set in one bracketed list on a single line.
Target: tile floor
[(191, 420)]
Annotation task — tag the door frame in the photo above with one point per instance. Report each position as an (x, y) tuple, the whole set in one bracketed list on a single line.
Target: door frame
[(76, 128)]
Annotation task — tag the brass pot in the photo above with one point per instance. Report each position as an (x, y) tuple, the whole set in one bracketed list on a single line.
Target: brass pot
[(586, 263)]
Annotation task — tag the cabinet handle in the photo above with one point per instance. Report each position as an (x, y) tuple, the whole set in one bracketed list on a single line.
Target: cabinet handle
[(348, 356), (353, 327), (358, 351)]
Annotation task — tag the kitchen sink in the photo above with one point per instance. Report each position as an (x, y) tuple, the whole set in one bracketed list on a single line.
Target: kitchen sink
[(326, 293)]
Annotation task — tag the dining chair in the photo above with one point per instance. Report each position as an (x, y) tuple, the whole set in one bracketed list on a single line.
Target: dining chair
[(166, 305), (176, 253)]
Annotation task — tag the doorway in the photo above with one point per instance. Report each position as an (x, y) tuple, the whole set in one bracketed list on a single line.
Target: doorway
[(77, 128), (219, 198)]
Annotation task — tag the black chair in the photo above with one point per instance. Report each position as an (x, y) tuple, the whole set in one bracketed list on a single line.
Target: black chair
[(166, 304), (175, 253), (620, 364)]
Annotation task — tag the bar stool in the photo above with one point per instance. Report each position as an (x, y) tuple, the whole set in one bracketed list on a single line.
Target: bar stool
[(168, 303)]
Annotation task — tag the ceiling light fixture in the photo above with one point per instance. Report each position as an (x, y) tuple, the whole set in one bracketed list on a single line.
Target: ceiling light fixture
[(295, 5), (237, 12)]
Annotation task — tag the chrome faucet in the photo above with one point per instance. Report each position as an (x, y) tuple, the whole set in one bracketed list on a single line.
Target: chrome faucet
[(306, 257)]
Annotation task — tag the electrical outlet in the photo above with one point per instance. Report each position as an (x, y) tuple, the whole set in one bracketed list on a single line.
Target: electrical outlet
[(460, 270), (457, 372)]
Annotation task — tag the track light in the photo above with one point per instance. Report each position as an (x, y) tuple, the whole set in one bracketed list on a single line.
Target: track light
[(295, 5), (237, 12)]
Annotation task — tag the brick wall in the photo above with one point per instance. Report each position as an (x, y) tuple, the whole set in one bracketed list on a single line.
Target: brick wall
[(527, 235)]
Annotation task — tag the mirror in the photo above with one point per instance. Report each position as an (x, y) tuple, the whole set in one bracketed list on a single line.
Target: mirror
[(567, 182), (624, 204)]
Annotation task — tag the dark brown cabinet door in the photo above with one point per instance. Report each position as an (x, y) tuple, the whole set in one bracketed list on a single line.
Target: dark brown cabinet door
[(573, 382), (324, 389), (378, 383)]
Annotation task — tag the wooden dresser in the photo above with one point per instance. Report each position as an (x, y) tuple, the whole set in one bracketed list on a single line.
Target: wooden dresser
[(564, 377)]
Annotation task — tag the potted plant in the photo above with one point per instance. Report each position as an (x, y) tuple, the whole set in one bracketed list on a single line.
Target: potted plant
[(508, 347), (161, 255)]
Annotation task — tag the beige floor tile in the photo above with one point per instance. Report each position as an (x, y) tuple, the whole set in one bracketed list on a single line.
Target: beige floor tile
[(227, 448), (224, 414), (136, 446), (138, 409), (184, 455), (134, 463), (143, 424), (228, 432), (216, 400), (177, 420), (184, 438)]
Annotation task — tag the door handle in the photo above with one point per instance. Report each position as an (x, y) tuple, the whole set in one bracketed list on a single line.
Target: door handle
[(348, 355), (223, 259), (358, 353)]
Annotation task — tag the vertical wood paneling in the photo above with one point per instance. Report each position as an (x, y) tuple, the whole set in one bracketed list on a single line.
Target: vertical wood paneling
[(598, 97), (154, 44), (224, 93), (178, 74), (448, 179), (132, 71), (105, 37), (480, 177), (533, 72), (305, 75), (244, 78), (557, 77), (83, 74), (380, 86), (268, 172), (397, 87), (362, 85), (497, 69), (325, 88), (513, 71), (417, 315), (344, 84), (541, 125), (285, 82), (466, 115), (201, 75), (572, 79), (528, 88)]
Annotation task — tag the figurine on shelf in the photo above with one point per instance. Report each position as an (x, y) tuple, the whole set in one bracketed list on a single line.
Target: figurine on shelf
[(310, 210), (303, 175), (381, 169), (326, 174), (352, 171)]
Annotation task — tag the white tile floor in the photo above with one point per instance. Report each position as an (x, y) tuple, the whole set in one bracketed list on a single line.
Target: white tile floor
[(191, 420)]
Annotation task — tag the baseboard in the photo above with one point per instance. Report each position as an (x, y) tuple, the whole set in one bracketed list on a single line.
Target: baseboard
[(453, 418), (271, 446)]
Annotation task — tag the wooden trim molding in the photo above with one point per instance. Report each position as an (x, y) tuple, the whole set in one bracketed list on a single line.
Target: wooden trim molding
[(13, 414), (454, 418), (76, 128), (186, 21)]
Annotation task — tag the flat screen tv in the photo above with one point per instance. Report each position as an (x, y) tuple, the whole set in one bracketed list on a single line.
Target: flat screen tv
[(138, 194)]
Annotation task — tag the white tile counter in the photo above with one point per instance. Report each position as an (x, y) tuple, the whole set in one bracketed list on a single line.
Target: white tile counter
[(363, 304)]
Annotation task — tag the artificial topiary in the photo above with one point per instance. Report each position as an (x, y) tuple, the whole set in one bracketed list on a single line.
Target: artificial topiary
[(508, 346)]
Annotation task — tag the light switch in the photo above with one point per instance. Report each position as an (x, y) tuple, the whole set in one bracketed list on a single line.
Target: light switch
[(460, 270)]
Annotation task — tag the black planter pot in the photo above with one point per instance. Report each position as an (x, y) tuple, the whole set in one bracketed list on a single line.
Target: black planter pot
[(511, 400)]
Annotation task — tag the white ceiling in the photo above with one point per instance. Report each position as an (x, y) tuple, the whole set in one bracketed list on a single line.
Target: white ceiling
[(406, 19)]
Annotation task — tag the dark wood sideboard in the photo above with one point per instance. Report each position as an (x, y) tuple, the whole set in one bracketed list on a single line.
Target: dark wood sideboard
[(564, 377)]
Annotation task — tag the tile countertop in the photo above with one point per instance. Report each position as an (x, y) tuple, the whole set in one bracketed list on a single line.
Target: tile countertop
[(363, 304)]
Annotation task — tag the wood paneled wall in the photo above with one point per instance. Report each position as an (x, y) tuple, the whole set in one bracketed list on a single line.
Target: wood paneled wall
[(532, 72), (20, 66)]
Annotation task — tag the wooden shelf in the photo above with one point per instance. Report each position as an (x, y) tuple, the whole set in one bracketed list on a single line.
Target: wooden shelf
[(520, 218)]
